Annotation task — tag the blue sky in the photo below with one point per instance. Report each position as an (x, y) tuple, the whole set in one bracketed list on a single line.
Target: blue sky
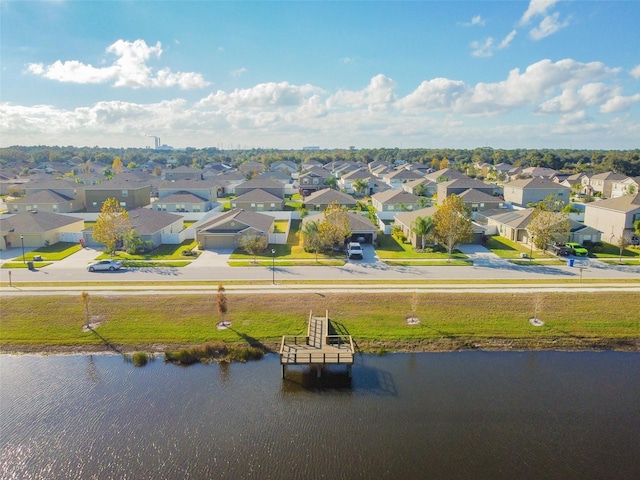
[(432, 74)]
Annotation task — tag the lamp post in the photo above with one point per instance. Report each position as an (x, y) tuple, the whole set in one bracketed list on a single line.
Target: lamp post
[(273, 266), (531, 249), (22, 241)]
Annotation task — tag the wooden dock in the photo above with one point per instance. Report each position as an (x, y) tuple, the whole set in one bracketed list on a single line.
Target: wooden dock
[(317, 348)]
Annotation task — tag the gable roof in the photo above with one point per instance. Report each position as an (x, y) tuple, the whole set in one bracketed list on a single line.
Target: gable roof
[(41, 196), (407, 218), (511, 218), (624, 204), (535, 182), (357, 222), (258, 195), (36, 222), (260, 182), (447, 173), (473, 195), (251, 219), (467, 182), (329, 195), (182, 197), (146, 221), (395, 196)]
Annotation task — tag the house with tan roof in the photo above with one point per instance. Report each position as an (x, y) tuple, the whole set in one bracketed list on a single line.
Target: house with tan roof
[(394, 201), (602, 183), (614, 217), (258, 200), (37, 228), (527, 191)]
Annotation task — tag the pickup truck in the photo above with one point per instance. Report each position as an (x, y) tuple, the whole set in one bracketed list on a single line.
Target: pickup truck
[(354, 250)]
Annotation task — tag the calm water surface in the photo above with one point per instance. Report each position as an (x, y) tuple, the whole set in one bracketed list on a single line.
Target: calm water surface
[(453, 416)]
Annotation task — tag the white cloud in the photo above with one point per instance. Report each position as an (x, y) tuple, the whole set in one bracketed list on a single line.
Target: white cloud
[(635, 72), (507, 40), (238, 72), (129, 70), (482, 49), (284, 115), (619, 103), (537, 7), (548, 26), (264, 95), (475, 20)]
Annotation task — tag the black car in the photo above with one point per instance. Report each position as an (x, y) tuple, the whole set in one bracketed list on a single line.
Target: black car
[(562, 250)]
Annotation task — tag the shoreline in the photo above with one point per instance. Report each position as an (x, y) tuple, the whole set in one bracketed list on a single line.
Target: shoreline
[(630, 345)]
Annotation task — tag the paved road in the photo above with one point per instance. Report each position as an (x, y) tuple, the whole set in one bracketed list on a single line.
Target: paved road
[(211, 266)]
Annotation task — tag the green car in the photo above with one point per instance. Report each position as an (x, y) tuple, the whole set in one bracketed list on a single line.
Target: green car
[(577, 249)]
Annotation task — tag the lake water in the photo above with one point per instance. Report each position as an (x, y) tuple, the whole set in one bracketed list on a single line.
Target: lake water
[(465, 415)]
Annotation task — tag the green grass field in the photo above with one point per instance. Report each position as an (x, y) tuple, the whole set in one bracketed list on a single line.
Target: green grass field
[(45, 323)]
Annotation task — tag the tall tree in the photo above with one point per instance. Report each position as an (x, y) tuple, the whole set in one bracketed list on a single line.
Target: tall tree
[(254, 244), (117, 166), (422, 227), (112, 225), (452, 223), (547, 226), (334, 228)]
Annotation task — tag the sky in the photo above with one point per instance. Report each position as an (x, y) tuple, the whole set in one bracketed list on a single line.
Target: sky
[(333, 74)]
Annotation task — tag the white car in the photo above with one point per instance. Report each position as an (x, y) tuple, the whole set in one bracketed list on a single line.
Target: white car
[(110, 265), (354, 250)]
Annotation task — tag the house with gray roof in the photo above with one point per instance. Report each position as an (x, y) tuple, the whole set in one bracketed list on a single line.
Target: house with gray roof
[(459, 185), (394, 201), (226, 230), (528, 191), (614, 217), (258, 200), (426, 187), (362, 230), (445, 175), (404, 220), (397, 178), (602, 183), (183, 173), (130, 191), (321, 199), (266, 184), (477, 201), (46, 201)]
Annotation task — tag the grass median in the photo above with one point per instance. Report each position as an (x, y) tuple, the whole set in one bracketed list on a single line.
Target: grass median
[(377, 322)]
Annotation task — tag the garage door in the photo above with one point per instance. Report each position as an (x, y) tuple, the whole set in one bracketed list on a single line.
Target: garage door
[(211, 242)]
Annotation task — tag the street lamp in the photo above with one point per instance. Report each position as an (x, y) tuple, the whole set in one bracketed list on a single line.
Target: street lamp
[(273, 266), (531, 249), (22, 240)]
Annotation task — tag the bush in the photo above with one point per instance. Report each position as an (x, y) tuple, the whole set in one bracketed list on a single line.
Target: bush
[(593, 247), (188, 253), (213, 352)]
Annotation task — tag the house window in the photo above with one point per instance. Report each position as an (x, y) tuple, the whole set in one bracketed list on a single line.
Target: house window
[(123, 204), (233, 205), (28, 208), (125, 193), (273, 205), (196, 209), (253, 205), (95, 204), (55, 208)]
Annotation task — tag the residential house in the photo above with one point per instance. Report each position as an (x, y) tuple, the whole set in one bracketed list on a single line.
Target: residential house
[(397, 178), (394, 201), (130, 191), (313, 179), (362, 230), (251, 169), (36, 228), (602, 183), (405, 221), (258, 200), (510, 224), (183, 173), (345, 182), (572, 181), (459, 185), (614, 217), (228, 181), (45, 201), (421, 186), (266, 184), (543, 172), (527, 191), (284, 166), (445, 175), (321, 199), (628, 186), (227, 229), (478, 201)]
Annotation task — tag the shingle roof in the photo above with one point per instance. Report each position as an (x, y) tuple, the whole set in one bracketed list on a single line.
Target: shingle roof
[(535, 182), (625, 203), (252, 219), (146, 221), (42, 196), (36, 222), (329, 195), (258, 195), (473, 195), (395, 196)]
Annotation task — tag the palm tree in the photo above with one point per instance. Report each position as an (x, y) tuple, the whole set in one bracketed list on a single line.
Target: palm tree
[(422, 227), (311, 237), (360, 185)]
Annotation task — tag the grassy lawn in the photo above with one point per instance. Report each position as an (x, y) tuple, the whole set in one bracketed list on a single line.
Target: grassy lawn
[(280, 226), (508, 249), (390, 249), (575, 319), (163, 252), (49, 254), (613, 251)]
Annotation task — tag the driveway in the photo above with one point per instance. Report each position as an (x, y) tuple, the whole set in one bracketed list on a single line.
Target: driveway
[(482, 256)]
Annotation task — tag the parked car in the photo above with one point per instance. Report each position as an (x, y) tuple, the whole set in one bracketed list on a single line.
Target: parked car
[(577, 249), (101, 265), (354, 250), (562, 250)]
